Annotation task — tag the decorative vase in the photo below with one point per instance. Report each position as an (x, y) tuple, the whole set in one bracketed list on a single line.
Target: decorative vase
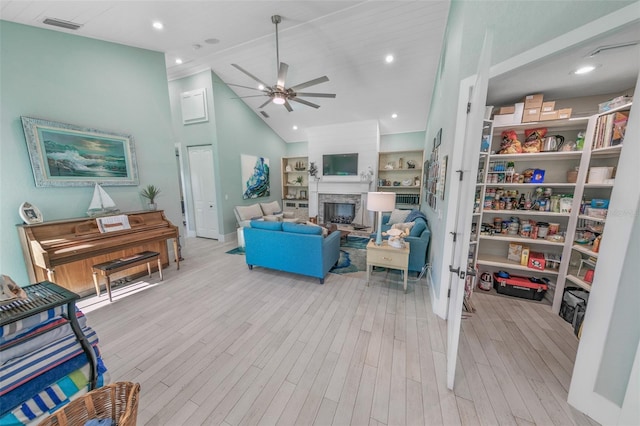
[(153, 206)]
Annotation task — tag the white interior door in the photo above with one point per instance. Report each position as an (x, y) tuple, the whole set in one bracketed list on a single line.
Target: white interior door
[(464, 207), (203, 191)]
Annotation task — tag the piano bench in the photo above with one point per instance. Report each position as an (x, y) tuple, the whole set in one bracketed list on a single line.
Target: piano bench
[(107, 268)]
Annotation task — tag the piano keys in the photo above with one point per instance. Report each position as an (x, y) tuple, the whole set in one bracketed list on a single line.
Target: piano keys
[(64, 251)]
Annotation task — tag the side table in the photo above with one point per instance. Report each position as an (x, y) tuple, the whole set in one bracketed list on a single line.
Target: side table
[(388, 257)]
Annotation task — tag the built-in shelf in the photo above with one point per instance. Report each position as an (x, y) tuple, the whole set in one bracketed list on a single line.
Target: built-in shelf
[(515, 238), (501, 262), (610, 151), (585, 249), (415, 169), (399, 186), (527, 213), (574, 123), (598, 185), (580, 283), (545, 184), (593, 218), (562, 155)]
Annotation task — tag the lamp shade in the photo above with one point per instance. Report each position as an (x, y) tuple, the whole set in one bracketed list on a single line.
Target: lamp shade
[(381, 201)]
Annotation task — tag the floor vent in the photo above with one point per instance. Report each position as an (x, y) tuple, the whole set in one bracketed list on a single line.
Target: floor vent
[(62, 24)]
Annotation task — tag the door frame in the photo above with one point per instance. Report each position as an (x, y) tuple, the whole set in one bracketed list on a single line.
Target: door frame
[(193, 232), (187, 195), (611, 22)]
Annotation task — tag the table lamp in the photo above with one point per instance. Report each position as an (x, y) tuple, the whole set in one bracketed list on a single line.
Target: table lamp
[(380, 202)]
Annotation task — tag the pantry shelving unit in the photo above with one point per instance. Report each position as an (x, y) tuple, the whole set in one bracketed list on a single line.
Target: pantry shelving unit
[(489, 252), (575, 253)]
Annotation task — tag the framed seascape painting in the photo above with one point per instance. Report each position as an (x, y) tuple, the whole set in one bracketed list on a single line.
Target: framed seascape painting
[(67, 155), (255, 176)]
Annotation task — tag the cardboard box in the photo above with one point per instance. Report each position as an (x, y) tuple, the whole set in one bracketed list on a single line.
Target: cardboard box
[(564, 113), (503, 120), (548, 115), (533, 101), (548, 106), (517, 118), (536, 261), (515, 252), (507, 110), (530, 115)]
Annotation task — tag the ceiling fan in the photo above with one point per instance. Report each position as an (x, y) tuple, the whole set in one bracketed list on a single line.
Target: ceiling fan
[(279, 93)]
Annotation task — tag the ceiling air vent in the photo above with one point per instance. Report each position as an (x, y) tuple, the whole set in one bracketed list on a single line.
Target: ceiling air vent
[(62, 24), (264, 114)]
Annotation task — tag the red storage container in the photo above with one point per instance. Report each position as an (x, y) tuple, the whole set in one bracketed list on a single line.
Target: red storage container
[(527, 288)]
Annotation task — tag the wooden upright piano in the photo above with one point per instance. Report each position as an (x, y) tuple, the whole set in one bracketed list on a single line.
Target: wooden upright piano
[(64, 251)]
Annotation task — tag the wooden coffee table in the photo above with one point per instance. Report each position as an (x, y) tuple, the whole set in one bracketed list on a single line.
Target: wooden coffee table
[(388, 257)]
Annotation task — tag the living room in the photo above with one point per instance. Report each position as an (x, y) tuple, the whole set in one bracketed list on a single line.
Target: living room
[(103, 85)]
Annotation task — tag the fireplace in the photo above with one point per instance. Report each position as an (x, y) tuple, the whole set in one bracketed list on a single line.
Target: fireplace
[(339, 212), (342, 208)]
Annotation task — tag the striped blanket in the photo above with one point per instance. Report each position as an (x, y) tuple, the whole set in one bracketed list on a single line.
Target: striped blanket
[(52, 397)]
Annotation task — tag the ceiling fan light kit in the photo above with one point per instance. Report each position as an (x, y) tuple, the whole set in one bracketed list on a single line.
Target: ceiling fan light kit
[(278, 93)]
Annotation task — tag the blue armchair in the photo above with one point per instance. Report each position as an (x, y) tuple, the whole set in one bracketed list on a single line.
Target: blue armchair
[(418, 239)]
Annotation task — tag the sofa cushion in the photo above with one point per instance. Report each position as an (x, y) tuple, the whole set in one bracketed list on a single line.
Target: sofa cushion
[(264, 224), (270, 208), (248, 212), (419, 226), (398, 216), (298, 228)]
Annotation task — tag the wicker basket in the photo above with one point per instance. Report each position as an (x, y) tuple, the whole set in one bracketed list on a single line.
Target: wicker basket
[(117, 401)]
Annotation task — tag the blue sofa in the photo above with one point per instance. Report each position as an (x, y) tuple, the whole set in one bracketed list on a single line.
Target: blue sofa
[(291, 247), (419, 239)]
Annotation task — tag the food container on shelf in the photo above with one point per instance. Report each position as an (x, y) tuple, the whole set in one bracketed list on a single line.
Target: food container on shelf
[(598, 174)]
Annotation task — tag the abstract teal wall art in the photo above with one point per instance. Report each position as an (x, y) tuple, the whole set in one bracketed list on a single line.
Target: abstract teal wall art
[(67, 155), (255, 176)]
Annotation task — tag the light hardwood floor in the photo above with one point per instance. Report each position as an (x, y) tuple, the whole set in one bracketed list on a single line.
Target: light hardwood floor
[(215, 343)]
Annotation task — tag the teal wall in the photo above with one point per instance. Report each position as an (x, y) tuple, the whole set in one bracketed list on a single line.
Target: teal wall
[(89, 83), (232, 129)]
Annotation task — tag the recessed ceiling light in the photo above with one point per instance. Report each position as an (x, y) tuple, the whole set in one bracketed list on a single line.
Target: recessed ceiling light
[(295, 127), (178, 61), (260, 86), (158, 25), (584, 70), (388, 59), (394, 115)]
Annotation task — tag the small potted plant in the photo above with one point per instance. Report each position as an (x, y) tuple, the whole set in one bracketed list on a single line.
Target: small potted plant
[(150, 192), (299, 180)]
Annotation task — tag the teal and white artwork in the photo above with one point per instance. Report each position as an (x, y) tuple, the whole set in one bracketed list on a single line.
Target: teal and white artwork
[(255, 176)]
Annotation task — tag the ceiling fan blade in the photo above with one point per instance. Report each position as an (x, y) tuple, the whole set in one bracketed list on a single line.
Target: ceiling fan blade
[(282, 74), (246, 87), (249, 74), (309, 83), (302, 101), (265, 104), (287, 105), (317, 95)]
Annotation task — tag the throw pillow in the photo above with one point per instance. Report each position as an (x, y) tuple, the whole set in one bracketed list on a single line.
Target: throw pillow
[(289, 215), (398, 216), (325, 231), (272, 218), (248, 212), (403, 226), (270, 208), (420, 225)]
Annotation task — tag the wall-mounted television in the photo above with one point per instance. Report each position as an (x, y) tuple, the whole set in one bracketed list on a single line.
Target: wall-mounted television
[(340, 164)]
